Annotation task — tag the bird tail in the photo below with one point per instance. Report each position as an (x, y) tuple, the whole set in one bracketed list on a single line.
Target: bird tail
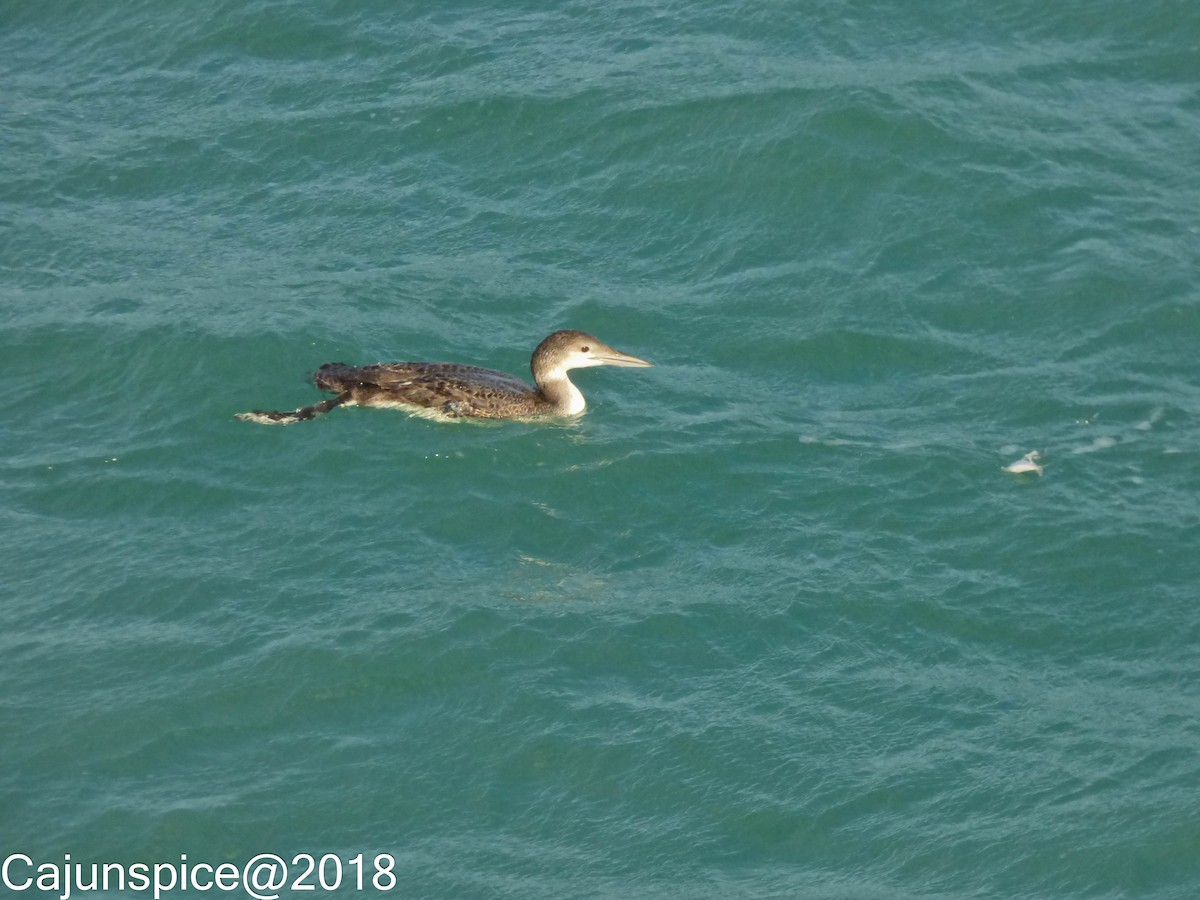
[(304, 413)]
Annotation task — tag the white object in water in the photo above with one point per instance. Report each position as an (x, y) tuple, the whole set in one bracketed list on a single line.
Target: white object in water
[(1027, 463)]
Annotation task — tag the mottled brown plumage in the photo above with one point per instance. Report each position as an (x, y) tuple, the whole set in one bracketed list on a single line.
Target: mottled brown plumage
[(455, 391)]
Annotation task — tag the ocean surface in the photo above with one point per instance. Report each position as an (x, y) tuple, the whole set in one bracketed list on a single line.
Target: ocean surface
[(771, 620)]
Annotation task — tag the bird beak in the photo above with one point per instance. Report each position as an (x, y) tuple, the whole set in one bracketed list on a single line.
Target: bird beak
[(610, 357)]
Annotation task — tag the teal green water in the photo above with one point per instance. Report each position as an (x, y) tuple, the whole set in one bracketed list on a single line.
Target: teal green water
[(770, 620)]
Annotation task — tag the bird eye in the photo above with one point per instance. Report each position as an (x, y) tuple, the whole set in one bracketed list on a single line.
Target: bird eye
[(585, 348)]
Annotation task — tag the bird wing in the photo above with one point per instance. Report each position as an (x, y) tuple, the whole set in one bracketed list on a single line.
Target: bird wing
[(394, 375), (454, 389)]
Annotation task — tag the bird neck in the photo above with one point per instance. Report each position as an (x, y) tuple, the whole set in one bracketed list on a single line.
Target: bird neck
[(556, 389)]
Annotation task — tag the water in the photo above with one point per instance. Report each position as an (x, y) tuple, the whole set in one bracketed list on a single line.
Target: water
[(770, 621)]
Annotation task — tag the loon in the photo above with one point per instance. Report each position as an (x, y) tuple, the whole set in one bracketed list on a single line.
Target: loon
[(449, 390)]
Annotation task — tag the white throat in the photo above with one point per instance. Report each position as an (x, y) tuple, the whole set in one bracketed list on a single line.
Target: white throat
[(575, 402), (566, 396)]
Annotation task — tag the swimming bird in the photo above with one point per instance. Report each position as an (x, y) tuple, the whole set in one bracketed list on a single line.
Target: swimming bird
[(450, 390), (1027, 463)]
